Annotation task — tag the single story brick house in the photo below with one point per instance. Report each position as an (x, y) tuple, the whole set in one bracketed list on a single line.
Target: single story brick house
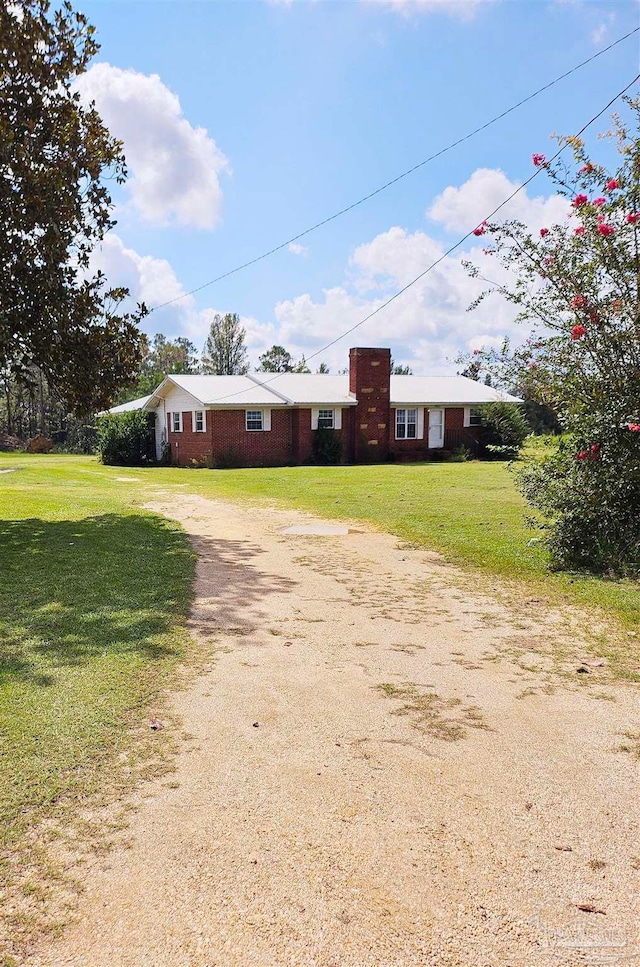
[(266, 419)]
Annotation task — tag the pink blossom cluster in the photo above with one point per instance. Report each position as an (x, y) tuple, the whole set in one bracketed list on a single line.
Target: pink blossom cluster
[(593, 453)]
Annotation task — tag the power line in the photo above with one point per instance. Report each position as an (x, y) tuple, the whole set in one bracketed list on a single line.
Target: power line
[(453, 247), (394, 181)]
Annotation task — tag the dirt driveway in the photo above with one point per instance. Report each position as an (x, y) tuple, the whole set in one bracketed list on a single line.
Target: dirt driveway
[(386, 768)]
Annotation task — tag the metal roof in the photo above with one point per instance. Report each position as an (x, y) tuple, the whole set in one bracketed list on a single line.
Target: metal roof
[(309, 389), (138, 404), (458, 390)]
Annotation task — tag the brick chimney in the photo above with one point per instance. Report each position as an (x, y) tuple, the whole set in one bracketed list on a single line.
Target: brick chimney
[(369, 381)]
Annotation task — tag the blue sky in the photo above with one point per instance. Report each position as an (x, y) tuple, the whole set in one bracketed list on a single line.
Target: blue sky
[(245, 122)]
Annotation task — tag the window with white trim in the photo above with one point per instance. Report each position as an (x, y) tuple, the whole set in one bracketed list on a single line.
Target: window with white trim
[(475, 416), (176, 422), (199, 424), (325, 420), (406, 424), (254, 419)]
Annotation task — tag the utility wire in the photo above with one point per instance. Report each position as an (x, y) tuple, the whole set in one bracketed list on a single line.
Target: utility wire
[(453, 247), (394, 181)]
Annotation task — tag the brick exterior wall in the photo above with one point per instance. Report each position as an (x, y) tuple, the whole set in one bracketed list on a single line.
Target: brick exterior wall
[(290, 439), (368, 429), (369, 381), (188, 445), (456, 434), (408, 449)]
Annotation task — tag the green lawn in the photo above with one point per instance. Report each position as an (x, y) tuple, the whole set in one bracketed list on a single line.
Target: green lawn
[(470, 512), (93, 598), (94, 591)]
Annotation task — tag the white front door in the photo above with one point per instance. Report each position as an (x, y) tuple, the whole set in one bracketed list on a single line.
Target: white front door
[(436, 429)]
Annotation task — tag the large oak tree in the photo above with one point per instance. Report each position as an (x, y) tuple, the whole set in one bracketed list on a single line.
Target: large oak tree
[(56, 157)]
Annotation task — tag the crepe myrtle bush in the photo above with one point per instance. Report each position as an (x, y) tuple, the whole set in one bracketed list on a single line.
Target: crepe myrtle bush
[(577, 287)]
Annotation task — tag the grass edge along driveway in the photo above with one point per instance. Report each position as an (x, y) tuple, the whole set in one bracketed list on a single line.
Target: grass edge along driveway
[(469, 512), (94, 595)]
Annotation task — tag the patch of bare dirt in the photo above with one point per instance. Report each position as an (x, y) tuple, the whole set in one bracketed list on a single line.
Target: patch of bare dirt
[(385, 769)]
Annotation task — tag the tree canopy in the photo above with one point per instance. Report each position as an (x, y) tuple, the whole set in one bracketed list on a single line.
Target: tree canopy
[(57, 314), (225, 349)]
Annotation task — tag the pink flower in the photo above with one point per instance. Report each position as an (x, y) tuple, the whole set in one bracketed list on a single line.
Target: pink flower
[(543, 232), (538, 160), (634, 427), (633, 217), (595, 450), (475, 352), (593, 315), (481, 229), (612, 184), (582, 455), (586, 169), (606, 229), (600, 217), (579, 201), (578, 332), (579, 302), (597, 202), (580, 230)]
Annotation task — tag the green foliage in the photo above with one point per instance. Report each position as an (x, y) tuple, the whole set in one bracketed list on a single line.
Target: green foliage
[(504, 427), (327, 446), (225, 351), (499, 451), (276, 360), (589, 495), (279, 360), (127, 439), (55, 158), (461, 455), (577, 286)]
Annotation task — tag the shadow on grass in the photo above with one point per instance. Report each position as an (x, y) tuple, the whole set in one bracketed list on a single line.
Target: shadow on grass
[(74, 590)]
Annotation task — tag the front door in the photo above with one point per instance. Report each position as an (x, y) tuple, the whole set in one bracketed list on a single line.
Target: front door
[(436, 429)]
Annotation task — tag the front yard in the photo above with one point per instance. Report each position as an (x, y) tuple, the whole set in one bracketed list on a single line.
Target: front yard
[(94, 593), (93, 599)]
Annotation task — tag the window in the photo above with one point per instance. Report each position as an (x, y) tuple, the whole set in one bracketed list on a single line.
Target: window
[(325, 419), (176, 422), (254, 420), (406, 424), (199, 421), (475, 417)]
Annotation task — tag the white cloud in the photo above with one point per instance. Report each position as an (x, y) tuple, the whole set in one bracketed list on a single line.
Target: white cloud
[(296, 249), (174, 167), (150, 280), (153, 281), (460, 9), (427, 326), (459, 210)]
